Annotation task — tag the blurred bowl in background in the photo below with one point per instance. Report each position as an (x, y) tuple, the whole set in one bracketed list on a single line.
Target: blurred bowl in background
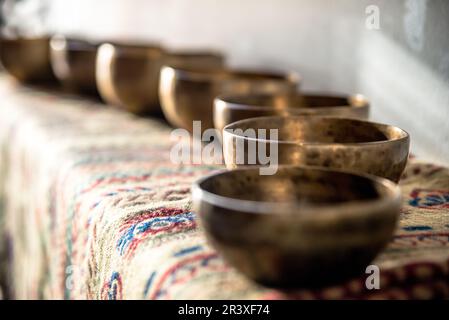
[(301, 227), (128, 75), (338, 143), (231, 108), (27, 59), (187, 94), (73, 63)]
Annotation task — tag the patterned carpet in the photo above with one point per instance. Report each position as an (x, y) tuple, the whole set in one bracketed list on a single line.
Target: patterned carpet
[(94, 209)]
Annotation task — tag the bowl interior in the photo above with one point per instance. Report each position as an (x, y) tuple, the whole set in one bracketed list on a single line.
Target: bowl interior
[(316, 129), (193, 54), (301, 186), (72, 44), (297, 100), (125, 52), (219, 72), (24, 40)]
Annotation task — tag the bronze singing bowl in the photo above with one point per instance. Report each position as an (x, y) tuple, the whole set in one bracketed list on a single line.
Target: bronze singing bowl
[(338, 143), (73, 62), (187, 94), (27, 59), (127, 76), (231, 108), (301, 227)]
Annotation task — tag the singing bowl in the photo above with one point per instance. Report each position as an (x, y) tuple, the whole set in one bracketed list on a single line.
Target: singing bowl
[(127, 76), (73, 63), (301, 227), (231, 108), (333, 142), (27, 59), (187, 94)]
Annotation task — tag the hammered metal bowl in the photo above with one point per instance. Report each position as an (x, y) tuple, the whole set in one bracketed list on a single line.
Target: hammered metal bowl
[(127, 76), (302, 227), (231, 108), (339, 143), (27, 59), (73, 63), (187, 94)]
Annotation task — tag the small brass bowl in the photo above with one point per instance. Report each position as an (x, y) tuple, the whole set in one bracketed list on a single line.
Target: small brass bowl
[(338, 143), (128, 75), (73, 63), (231, 108), (27, 59), (187, 94), (302, 227)]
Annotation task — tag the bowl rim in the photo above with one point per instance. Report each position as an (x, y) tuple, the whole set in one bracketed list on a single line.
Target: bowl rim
[(60, 42), (354, 101), (405, 135), (25, 39), (195, 52), (393, 196), (129, 51), (224, 72)]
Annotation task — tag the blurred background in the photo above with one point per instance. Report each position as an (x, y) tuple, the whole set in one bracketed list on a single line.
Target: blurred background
[(394, 52)]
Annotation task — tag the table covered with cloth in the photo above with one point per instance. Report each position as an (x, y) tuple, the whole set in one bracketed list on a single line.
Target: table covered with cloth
[(93, 208)]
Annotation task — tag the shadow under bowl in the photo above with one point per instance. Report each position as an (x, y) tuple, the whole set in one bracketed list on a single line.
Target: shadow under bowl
[(301, 227), (232, 108), (187, 94), (333, 142), (27, 59)]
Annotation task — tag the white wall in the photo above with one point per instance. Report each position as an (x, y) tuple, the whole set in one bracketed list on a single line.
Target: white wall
[(403, 67)]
